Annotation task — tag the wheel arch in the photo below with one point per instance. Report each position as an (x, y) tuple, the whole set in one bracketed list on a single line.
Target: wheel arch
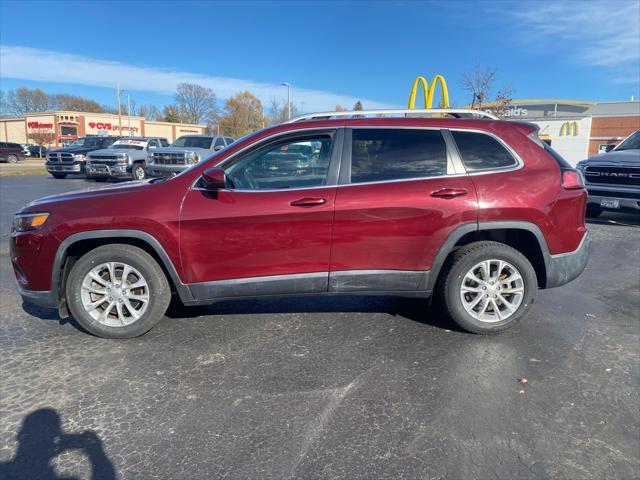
[(76, 245), (526, 237)]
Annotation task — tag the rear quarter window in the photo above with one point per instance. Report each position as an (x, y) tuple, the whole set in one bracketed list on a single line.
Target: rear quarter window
[(381, 154), (482, 152)]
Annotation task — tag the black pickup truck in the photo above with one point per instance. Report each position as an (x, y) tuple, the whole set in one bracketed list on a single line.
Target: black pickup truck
[(73, 159)]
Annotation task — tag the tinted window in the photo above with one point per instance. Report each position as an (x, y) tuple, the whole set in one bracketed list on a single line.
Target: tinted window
[(164, 142), (395, 154), (482, 152), (229, 140), (294, 163), (15, 145), (219, 142), (152, 144), (193, 142)]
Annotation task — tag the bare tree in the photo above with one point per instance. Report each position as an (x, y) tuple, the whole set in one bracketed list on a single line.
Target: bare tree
[(480, 85), (243, 114), (41, 136), (25, 100), (278, 111), (195, 102), (74, 103), (340, 108), (149, 112)]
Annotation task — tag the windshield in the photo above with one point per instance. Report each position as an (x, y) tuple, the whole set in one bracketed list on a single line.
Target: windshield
[(86, 142), (193, 142), (631, 143), (126, 146)]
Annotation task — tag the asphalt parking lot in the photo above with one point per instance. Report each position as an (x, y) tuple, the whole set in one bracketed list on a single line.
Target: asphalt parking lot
[(329, 388)]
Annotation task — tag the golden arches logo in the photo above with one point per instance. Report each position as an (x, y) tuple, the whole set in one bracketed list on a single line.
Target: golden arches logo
[(429, 92), (569, 128)]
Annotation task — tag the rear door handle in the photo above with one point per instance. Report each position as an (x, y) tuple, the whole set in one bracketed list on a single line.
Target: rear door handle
[(308, 202), (449, 192)]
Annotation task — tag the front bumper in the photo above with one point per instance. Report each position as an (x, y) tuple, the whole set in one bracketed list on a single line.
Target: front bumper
[(628, 199), (565, 267), (109, 170), (65, 167)]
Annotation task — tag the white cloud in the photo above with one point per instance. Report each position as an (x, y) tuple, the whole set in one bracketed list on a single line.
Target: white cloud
[(48, 66), (598, 34)]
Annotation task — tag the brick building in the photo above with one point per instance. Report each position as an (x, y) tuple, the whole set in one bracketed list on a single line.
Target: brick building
[(67, 126), (576, 129)]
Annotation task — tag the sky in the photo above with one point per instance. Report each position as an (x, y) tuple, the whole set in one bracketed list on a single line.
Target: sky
[(330, 52)]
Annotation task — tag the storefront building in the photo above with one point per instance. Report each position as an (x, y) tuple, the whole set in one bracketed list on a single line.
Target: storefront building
[(61, 128), (577, 130)]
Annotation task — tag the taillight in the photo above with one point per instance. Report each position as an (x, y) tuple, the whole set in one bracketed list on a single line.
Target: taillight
[(572, 180)]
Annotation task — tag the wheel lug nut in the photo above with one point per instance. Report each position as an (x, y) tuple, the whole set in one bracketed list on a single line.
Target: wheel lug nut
[(486, 295), (484, 287)]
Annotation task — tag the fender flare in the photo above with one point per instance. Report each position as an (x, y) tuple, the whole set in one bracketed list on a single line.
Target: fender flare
[(61, 255)]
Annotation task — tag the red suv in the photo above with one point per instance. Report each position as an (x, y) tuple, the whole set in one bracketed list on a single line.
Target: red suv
[(475, 210)]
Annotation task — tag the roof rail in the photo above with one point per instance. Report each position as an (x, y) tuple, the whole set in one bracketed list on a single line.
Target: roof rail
[(454, 112)]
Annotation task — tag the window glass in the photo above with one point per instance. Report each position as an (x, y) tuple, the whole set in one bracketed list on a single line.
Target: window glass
[(68, 130), (108, 141), (482, 152), (229, 140), (164, 142), (153, 144), (219, 142), (380, 154), (297, 163), (193, 142)]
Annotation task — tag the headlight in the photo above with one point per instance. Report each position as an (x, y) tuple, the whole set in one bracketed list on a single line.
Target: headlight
[(122, 158), (23, 222), (192, 157), (80, 157)]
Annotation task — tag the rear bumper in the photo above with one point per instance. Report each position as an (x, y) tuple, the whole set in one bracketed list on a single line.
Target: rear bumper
[(565, 267), (46, 299)]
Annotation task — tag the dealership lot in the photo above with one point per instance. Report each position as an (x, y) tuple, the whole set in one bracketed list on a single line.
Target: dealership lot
[(330, 388)]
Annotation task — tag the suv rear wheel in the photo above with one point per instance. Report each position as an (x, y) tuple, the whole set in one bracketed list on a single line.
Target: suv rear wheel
[(117, 291), (487, 287)]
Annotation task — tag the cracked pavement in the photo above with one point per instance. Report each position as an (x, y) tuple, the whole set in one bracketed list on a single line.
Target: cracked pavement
[(347, 387)]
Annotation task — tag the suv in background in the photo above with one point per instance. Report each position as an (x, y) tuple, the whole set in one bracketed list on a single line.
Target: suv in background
[(479, 212), (11, 152), (613, 178), (183, 153), (126, 158), (73, 159)]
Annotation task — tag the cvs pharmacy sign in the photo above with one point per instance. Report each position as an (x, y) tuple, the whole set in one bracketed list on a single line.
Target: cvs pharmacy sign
[(109, 126)]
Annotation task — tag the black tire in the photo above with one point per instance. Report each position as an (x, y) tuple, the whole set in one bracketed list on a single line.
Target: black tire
[(12, 159), (463, 260), (158, 290), (59, 175), (138, 172), (593, 211), (99, 179)]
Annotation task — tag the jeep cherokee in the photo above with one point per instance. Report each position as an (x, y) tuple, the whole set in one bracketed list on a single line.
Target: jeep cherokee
[(477, 211)]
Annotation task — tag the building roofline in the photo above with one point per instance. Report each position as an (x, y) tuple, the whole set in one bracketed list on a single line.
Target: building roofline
[(541, 101)]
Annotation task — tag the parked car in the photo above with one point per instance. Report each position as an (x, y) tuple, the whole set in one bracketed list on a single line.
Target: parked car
[(184, 152), (478, 212), (613, 178), (11, 152), (126, 158), (73, 159), (38, 151), (25, 149)]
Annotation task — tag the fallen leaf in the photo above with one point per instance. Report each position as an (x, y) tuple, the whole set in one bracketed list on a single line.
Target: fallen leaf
[(521, 392), (523, 380)]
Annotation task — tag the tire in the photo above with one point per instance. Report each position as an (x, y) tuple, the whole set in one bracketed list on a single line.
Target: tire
[(118, 322), (99, 179), (593, 211), (137, 172), (59, 175), (12, 159), (454, 276)]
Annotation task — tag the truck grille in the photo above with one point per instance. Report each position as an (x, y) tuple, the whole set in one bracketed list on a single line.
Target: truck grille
[(102, 159), (60, 157), (169, 158), (613, 175)]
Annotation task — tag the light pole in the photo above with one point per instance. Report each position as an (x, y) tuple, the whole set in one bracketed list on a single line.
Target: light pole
[(285, 84), (128, 111)]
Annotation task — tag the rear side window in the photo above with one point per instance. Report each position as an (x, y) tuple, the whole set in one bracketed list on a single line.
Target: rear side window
[(380, 154), (219, 142), (482, 152)]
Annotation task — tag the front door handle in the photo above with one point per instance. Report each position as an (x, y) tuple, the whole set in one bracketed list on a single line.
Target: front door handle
[(449, 192), (308, 202)]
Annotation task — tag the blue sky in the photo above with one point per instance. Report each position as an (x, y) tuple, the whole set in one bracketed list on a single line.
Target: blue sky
[(331, 52)]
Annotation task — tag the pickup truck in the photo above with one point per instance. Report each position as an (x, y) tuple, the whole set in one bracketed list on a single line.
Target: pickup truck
[(183, 153), (126, 158), (73, 159), (613, 178)]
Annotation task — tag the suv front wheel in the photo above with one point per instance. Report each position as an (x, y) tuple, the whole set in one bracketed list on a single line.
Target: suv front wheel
[(117, 291), (487, 287)]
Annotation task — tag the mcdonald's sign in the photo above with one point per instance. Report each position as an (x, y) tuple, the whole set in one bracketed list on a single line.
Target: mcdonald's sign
[(569, 128), (429, 92)]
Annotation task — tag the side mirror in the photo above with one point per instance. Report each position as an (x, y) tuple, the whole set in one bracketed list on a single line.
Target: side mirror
[(214, 179), (218, 148), (609, 147)]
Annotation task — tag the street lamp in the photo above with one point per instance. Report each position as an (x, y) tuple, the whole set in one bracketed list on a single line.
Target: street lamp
[(284, 84), (124, 92)]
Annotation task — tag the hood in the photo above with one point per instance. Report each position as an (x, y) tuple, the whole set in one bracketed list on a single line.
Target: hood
[(107, 151), (627, 158), (90, 193), (72, 150)]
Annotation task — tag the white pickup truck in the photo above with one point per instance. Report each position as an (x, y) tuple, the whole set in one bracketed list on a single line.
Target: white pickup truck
[(183, 153), (126, 158)]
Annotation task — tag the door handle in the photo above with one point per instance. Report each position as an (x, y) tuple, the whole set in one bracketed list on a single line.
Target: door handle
[(449, 192), (308, 202)]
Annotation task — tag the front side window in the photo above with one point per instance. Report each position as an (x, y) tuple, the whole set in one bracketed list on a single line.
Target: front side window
[(164, 142), (293, 163), (383, 154), (219, 142), (482, 152), (229, 140)]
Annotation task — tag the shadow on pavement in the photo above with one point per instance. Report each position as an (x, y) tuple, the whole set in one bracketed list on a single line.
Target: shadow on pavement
[(41, 439), (615, 219)]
